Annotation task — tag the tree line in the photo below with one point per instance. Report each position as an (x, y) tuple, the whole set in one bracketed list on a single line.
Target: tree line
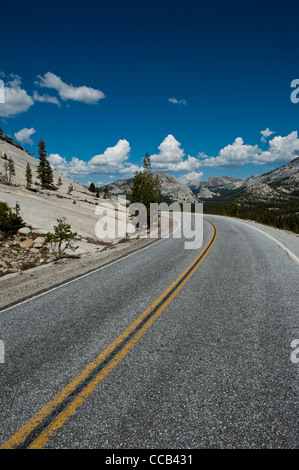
[(279, 213)]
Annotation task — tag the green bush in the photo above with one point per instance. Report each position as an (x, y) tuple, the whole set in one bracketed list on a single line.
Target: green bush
[(10, 221), (61, 239)]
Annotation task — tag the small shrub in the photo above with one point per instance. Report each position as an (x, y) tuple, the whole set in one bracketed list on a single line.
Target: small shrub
[(10, 221), (61, 239)]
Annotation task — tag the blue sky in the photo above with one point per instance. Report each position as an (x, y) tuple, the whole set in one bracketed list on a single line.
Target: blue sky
[(192, 83)]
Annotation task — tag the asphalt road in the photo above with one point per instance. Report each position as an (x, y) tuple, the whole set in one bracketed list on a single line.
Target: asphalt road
[(211, 368)]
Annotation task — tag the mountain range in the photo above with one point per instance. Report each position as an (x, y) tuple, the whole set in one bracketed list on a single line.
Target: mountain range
[(281, 183), (171, 188)]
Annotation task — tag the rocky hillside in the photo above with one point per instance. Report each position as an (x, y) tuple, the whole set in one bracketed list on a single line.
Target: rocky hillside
[(271, 198), (40, 209), (21, 157), (172, 189), (280, 183), (216, 187)]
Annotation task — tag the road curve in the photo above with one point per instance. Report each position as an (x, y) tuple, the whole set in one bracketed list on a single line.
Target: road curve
[(196, 344)]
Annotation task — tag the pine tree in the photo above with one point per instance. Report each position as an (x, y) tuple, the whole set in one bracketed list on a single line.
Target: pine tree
[(146, 187), (11, 169), (49, 176), (6, 168), (106, 193), (28, 176), (92, 188), (59, 181), (44, 170)]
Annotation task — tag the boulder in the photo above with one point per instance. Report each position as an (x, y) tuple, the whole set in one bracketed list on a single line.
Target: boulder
[(24, 230), (40, 240), (37, 245), (27, 243)]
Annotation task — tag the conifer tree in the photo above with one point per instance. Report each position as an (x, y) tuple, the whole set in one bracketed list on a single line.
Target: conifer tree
[(92, 188), (11, 169), (6, 169), (44, 170), (106, 193), (146, 187), (28, 176)]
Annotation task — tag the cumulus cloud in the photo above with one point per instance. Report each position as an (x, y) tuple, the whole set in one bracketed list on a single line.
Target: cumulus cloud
[(24, 135), (17, 99), (190, 178), (72, 168), (113, 157), (171, 157), (176, 101), (66, 92), (170, 152), (236, 154), (113, 160), (281, 150), (265, 134), (45, 98)]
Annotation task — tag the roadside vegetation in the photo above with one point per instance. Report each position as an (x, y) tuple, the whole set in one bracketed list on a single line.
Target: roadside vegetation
[(61, 239), (10, 219), (146, 187)]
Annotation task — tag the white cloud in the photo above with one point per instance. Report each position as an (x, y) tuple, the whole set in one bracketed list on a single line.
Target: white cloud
[(190, 178), (170, 152), (72, 168), (69, 92), (24, 135), (175, 101), (112, 155), (112, 161), (265, 134), (16, 98), (236, 154), (281, 149), (171, 157), (45, 98)]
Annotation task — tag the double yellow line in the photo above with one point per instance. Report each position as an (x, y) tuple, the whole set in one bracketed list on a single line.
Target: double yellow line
[(37, 431)]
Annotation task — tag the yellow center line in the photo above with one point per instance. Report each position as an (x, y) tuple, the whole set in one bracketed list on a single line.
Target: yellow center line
[(54, 425)]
